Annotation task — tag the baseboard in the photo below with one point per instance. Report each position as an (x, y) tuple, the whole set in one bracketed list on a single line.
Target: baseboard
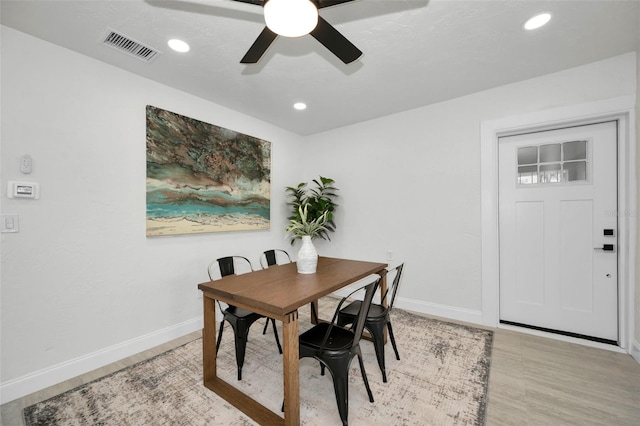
[(438, 310), (33, 382), (427, 308), (635, 351)]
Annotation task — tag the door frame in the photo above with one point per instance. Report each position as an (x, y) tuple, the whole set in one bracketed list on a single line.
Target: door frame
[(620, 109)]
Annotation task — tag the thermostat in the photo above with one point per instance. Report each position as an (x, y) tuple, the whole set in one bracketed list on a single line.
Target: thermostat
[(23, 190)]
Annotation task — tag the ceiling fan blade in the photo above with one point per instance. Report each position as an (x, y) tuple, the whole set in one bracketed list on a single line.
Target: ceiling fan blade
[(259, 46), (326, 3), (331, 38), (256, 2), (321, 3)]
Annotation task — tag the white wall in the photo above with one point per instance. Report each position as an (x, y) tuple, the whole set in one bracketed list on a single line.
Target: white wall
[(81, 279), (81, 284), (411, 181)]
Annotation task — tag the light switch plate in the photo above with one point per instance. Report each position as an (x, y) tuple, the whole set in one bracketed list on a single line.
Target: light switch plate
[(9, 223)]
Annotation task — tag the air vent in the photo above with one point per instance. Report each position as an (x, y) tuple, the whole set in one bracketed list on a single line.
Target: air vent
[(129, 46)]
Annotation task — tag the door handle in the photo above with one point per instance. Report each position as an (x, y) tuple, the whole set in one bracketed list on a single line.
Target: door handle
[(606, 247)]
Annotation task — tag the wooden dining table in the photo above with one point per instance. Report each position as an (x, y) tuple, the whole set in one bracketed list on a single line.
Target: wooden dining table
[(277, 292)]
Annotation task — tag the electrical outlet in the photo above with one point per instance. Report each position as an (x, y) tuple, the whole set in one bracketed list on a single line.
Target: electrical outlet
[(389, 255)]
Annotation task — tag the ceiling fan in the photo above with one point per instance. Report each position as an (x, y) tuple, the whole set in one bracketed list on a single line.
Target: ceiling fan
[(302, 15)]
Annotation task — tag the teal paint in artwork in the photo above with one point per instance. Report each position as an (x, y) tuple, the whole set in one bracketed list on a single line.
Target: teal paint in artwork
[(204, 178)]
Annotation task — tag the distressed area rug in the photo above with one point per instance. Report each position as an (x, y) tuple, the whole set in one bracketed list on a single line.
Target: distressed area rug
[(441, 379)]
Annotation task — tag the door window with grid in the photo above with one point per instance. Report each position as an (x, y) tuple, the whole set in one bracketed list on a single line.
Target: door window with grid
[(553, 163)]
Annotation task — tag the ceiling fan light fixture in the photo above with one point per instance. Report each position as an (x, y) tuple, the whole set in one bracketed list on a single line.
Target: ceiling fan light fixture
[(290, 18)]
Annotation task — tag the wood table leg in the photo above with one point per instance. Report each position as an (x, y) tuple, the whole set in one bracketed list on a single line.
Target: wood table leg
[(209, 340), (291, 370), (252, 408)]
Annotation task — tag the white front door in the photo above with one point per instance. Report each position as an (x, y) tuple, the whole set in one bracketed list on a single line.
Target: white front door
[(558, 230)]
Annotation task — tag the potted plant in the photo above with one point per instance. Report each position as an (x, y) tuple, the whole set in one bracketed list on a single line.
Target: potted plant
[(312, 217), (306, 230), (318, 201)]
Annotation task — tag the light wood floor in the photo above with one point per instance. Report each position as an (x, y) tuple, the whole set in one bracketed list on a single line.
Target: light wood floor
[(533, 381), (540, 381)]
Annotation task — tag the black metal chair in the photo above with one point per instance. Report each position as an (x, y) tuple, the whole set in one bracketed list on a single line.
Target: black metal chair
[(377, 319), (274, 257), (335, 347), (240, 319)]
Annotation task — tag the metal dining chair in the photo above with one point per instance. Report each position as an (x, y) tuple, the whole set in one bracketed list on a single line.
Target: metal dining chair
[(274, 257), (239, 319), (335, 347), (377, 319)]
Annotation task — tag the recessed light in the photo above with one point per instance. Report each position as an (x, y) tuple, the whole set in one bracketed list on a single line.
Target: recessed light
[(300, 106), (537, 21), (178, 45)]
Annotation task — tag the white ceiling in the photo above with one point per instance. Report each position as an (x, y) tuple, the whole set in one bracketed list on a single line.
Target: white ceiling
[(416, 52)]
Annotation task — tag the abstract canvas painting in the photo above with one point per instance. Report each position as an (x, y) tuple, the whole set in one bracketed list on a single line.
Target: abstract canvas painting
[(204, 178)]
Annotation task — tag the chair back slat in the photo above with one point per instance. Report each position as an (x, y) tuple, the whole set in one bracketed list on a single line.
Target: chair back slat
[(271, 257), (395, 285), (226, 266)]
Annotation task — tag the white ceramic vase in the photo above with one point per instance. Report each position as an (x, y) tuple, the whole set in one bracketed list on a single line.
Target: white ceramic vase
[(307, 257)]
